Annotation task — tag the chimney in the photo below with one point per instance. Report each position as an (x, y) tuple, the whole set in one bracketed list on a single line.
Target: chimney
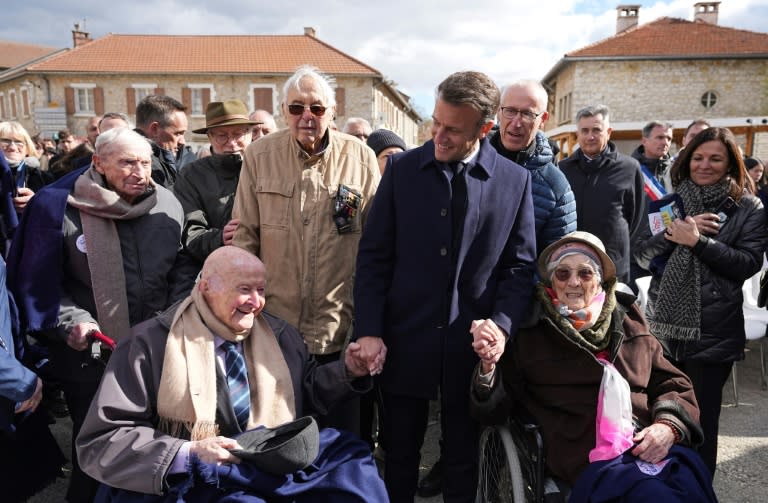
[(80, 37), (309, 31), (706, 12), (626, 17)]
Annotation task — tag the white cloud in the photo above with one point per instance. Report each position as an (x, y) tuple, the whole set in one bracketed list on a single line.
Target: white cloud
[(416, 44)]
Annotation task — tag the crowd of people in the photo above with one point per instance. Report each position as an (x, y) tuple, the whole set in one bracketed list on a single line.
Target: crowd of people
[(182, 301)]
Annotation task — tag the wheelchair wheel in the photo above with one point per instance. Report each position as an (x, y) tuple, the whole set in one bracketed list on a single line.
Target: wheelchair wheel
[(500, 478)]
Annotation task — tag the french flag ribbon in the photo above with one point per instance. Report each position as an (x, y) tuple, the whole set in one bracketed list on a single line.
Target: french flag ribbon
[(653, 188)]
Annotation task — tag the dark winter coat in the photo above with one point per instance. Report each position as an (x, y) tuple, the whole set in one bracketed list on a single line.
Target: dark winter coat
[(206, 191), (730, 257), (609, 200), (553, 203), (558, 383)]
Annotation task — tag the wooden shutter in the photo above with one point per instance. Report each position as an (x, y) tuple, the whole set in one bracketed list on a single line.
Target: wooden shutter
[(130, 100), (186, 97), (25, 102), (98, 100), (160, 91), (206, 98), (262, 99), (341, 101), (69, 100)]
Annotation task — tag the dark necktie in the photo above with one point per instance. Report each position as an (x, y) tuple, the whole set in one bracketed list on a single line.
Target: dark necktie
[(237, 379), (458, 205)]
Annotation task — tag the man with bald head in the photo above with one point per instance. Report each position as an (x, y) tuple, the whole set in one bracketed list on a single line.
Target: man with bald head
[(100, 252), (522, 115), (169, 403)]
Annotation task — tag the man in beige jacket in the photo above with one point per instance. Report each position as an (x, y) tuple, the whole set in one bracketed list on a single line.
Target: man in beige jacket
[(302, 200)]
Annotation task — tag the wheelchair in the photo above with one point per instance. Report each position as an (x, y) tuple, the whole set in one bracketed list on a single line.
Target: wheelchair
[(511, 467)]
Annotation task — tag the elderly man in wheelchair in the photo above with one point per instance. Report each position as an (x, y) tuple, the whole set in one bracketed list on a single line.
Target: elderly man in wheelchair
[(617, 419)]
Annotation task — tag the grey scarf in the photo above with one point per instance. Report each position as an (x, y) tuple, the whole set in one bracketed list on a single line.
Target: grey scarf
[(677, 308), (99, 208)]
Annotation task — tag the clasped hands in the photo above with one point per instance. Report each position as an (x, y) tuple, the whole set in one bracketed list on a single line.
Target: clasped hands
[(488, 341), (687, 231), (366, 356)]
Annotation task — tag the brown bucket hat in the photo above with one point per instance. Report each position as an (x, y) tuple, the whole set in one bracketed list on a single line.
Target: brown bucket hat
[(225, 113)]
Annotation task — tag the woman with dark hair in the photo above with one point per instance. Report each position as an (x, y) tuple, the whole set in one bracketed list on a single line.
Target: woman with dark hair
[(756, 169), (699, 264)]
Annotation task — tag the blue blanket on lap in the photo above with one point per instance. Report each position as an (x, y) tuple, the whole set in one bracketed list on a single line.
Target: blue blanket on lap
[(344, 472)]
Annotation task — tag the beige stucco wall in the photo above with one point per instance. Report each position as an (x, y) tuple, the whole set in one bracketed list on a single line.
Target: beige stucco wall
[(668, 90), (360, 97)]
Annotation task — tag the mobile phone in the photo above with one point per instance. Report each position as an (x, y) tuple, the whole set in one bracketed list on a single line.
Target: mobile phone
[(726, 209)]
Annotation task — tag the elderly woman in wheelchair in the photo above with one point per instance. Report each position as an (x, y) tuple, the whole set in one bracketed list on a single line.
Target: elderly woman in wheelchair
[(614, 414)]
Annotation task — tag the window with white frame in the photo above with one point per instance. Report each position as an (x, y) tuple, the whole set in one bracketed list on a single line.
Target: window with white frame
[(84, 102), (199, 97), (141, 91), (12, 102), (3, 113)]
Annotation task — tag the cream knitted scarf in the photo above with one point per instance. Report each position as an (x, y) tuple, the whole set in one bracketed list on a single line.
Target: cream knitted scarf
[(186, 400), (99, 208)]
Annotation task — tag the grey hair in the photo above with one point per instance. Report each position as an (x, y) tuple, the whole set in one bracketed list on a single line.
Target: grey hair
[(591, 263), (648, 128), (592, 111), (325, 83), (357, 120), (108, 140)]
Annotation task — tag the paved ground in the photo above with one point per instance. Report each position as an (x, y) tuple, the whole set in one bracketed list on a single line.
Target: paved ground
[(742, 452)]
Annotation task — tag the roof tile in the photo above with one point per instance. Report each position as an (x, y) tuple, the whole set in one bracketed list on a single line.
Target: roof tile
[(15, 53), (672, 37), (276, 54)]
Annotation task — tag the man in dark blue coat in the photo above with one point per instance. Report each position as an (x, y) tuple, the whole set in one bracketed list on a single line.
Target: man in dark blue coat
[(446, 256)]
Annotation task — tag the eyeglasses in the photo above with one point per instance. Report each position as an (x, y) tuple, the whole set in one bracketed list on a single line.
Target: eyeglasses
[(564, 274), (7, 142), (221, 137), (316, 110), (526, 116)]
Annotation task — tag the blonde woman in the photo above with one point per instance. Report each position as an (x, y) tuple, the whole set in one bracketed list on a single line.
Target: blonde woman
[(16, 146)]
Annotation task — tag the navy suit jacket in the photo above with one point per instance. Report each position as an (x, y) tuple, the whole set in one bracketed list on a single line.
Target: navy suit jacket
[(406, 290)]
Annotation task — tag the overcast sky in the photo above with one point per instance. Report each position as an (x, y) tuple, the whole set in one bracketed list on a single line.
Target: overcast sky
[(415, 43)]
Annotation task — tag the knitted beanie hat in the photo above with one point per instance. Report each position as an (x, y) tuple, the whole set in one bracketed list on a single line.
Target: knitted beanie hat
[(383, 138)]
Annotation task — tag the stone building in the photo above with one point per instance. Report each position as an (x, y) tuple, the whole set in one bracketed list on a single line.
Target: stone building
[(669, 69), (115, 72)]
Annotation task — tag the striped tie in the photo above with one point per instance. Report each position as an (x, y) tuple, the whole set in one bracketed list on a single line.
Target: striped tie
[(239, 394)]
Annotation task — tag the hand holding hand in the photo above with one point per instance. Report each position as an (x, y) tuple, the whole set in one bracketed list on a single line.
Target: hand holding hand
[(374, 352), (488, 341), (32, 402), (214, 450), (653, 442), (228, 232), (77, 338), (707, 223)]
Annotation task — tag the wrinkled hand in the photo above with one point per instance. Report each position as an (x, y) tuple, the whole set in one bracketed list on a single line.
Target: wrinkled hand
[(77, 338), (228, 232), (214, 450), (23, 197), (488, 341), (32, 402), (653, 443), (373, 352)]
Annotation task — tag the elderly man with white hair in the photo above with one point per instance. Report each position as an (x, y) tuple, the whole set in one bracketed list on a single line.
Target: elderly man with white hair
[(100, 251), (302, 200)]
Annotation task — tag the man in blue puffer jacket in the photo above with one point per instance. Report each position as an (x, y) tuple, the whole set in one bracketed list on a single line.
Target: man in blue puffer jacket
[(523, 112)]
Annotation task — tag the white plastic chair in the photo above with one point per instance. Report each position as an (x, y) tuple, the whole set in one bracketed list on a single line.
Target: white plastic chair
[(755, 326)]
